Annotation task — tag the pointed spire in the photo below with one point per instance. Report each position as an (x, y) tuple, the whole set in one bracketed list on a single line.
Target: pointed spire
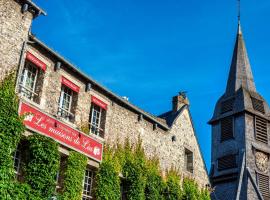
[(240, 71)]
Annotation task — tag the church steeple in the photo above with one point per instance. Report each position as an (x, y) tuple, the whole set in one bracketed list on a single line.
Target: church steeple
[(240, 72), (240, 134)]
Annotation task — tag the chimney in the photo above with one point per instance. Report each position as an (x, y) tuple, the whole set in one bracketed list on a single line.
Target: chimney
[(179, 101)]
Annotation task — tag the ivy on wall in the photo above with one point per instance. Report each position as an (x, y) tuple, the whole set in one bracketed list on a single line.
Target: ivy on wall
[(155, 185), (142, 177), (173, 189), (107, 179), (73, 177), (11, 127), (43, 165)]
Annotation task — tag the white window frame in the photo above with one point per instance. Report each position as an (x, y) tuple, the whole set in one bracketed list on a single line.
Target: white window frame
[(86, 180), (65, 114), (96, 125), (24, 90)]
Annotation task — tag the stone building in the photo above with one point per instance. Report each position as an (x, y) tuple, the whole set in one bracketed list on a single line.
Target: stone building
[(240, 139), (63, 100)]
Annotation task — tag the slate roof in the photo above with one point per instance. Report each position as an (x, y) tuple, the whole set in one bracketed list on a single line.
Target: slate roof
[(240, 85)]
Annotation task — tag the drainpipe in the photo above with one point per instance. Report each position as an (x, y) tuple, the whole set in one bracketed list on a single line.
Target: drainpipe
[(21, 61)]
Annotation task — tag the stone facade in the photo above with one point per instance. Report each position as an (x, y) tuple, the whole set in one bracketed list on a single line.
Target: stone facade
[(167, 136), (14, 31)]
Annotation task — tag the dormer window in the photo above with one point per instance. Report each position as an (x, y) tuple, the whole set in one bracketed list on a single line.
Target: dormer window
[(68, 100), (97, 117)]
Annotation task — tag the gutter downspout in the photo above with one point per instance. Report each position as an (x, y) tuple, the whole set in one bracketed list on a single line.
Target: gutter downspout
[(22, 60)]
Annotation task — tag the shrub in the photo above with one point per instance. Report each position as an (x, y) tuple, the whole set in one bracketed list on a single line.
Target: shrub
[(154, 183), (190, 190), (134, 172), (173, 189)]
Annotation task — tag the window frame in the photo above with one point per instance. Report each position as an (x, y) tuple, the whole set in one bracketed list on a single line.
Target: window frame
[(23, 89), (97, 125), (62, 112), (187, 161), (86, 184)]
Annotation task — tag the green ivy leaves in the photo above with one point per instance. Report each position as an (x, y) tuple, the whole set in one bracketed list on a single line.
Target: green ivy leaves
[(74, 174)]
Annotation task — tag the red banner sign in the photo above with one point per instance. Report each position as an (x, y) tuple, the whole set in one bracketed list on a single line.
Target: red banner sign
[(69, 84), (48, 126), (36, 61), (99, 103)]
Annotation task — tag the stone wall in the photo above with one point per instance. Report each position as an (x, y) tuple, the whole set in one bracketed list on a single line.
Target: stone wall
[(122, 122), (13, 32)]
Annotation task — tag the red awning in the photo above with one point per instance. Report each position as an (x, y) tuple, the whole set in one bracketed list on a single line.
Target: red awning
[(99, 103), (69, 84), (36, 61)]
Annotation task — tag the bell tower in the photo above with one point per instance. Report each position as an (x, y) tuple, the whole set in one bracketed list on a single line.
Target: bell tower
[(240, 135)]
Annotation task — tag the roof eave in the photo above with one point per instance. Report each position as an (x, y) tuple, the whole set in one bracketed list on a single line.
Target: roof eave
[(37, 9), (118, 98)]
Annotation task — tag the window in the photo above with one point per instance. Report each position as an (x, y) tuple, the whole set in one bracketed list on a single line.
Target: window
[(17, 160), (261, 130), (258, 105), (189, 160), (88, 185), (263, 183), (123, 188), (226, 126), (65, 103), (28, 81), (227, 162), (60, 174), (97, 120), (227, 105)]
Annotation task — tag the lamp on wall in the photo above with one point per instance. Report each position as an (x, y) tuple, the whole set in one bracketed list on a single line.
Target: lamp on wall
[(155, 126), (25, 8), (88, 87), (57, 66), (140, 117)]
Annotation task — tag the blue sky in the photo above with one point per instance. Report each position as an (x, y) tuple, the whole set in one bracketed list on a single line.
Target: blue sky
[(149, 50)]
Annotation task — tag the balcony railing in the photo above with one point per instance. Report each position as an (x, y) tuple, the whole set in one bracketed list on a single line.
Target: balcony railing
[(27, 92), (65, 114), (96, 130)]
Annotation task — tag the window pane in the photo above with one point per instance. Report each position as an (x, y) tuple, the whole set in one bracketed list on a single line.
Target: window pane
[(88, 184), (95, 119), (28, 81)]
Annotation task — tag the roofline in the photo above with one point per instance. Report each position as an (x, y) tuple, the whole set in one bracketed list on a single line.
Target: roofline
[(35, 7), (113, 95)]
